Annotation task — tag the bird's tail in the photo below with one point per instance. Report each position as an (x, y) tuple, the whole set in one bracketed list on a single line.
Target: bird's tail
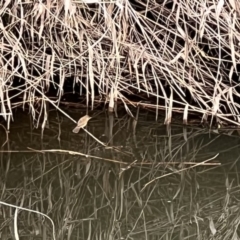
[(76, 129)]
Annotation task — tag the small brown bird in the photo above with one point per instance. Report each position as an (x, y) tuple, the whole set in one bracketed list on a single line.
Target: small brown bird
[(82, 122)]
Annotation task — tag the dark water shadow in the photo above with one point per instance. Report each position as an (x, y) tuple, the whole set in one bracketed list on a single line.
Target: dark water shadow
[(140, 181)]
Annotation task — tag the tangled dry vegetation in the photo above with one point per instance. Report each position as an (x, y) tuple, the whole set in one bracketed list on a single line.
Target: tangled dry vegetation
[(183, 55)]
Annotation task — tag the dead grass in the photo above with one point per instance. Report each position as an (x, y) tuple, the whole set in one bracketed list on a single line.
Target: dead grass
[(123, 47)]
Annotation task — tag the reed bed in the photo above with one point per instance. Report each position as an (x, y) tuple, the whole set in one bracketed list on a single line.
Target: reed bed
[(182, 56), (91, 191)]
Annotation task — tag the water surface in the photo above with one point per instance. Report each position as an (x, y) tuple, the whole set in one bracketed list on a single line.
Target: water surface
[(138, 180)]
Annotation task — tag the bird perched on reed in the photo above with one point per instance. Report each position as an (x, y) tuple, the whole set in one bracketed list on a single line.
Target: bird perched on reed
[(82, 122)]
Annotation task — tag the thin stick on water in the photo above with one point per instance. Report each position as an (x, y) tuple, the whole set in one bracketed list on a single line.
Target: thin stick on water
[(168, 174)]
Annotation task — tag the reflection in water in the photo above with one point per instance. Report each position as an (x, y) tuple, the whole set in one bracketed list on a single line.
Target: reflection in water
[(138, 182)]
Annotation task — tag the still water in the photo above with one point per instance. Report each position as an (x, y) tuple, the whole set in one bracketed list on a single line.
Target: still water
[(120, 179)]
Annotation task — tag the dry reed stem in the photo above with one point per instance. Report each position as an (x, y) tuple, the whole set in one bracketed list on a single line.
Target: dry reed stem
[(178, 171), (121, 47)]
